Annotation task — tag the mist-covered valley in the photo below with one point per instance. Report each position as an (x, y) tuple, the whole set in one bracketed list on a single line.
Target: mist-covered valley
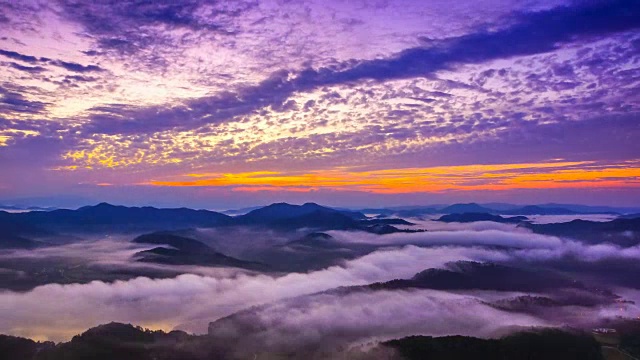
[(308, 279)]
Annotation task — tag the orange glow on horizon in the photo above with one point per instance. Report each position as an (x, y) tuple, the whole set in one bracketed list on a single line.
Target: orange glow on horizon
[(550, 175)]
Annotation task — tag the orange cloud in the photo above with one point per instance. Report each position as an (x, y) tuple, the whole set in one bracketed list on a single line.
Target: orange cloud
[(549, 175)]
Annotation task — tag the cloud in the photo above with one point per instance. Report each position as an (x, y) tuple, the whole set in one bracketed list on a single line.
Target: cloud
[(29, 69), (514, 243), (89, 250), (437, 179), (13, 102), (526, 34), (450, 97), (548, 219), (577, 250), (17, 56), (110, 257), (70, 66), (114, 21), (191, 301), (514, 238), (74, 67), (365, 316), (327, 320)]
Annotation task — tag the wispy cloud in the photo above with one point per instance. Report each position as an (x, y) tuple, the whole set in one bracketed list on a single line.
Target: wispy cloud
[(190, 301), (168, 89)]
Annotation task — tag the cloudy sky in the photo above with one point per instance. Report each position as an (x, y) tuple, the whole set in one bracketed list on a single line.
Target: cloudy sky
[(346, 102)]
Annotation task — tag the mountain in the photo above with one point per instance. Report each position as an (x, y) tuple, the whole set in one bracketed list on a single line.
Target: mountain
[(538, 210), (465, 208), (311, 251), (107, 217), (409, 211), (289, 217), (318, 219), (25, 208), (12, 347), (280, 212), (537, 305), (417, 211), (387, 221), (467, 275), (525, 303), (590, 209), (315, 242), (128, 342), (547, 344), (629, 216), (179, 242), (9, 241), (117, 341), (459, 275), (500, 206), (622, 232), (185, 251), (252, 325), (17, 234), (17, 229), (242, 211), (378, 211), (473, 217), (504, 208)]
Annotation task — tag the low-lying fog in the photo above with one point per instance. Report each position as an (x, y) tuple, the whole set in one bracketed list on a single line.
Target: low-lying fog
[(190, 297)]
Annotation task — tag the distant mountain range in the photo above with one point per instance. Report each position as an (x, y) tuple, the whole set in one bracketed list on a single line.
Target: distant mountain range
[(17, 230), (25, 208), (107, 217), (35, 228), (499, 209), (473, 217), (630, 216)]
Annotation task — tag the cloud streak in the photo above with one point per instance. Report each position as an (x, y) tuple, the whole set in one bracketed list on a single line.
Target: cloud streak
[(366, 316), (190, 301)]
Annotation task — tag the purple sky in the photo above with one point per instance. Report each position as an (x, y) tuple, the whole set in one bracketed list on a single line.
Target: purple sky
[(221, 104)]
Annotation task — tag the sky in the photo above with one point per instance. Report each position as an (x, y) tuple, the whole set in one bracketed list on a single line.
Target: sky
[(220, 104)]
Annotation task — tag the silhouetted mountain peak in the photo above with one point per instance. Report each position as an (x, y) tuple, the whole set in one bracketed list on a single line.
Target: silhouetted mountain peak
[(179, 242), (482, 275), (621, 231), (461, 267), (185, 251), (466, 208), (113, 331), (311, 204), (117, 218), (101, 206), (464, 266), (308, 214), (319, 236), (316, 240), (473, 217), (105, 204)]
